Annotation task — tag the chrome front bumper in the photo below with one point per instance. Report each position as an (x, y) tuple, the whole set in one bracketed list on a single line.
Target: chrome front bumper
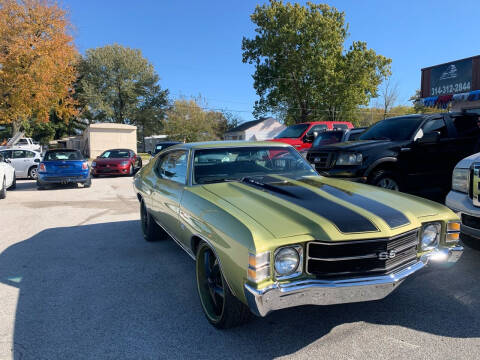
[(329, 292)]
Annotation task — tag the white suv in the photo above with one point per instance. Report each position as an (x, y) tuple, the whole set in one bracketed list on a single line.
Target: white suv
[(7, 177), (464, 198)]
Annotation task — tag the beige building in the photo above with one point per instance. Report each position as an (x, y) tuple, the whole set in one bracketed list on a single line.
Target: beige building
[(256, 130), (100, 137), (103, 136)]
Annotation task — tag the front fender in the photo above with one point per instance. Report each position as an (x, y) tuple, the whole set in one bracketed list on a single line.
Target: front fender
[(376, 163)]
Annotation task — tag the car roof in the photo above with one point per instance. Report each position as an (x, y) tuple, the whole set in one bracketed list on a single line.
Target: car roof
[(118, 150), (228, 144), (20, 148), (168, 142), (52, 150)]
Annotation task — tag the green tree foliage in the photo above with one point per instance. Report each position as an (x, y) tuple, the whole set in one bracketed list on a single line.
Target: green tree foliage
[(420, 108), (302, 68), (117, 84), (188, 121)]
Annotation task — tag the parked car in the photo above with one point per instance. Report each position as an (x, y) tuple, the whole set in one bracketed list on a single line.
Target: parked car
[(301, 136), (464, 198), (7, 177), (403, 153), (117, 162), (22, 143), (163, 145), (268, 233), (63, 166), (25, 162), (336, 136)]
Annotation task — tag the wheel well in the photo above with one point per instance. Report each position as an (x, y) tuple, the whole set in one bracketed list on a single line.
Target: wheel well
[(195, 242), (31, 167), (387, 165)]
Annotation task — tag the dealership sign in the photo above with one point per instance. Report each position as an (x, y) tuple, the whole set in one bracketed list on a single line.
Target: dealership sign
[(451, 78)]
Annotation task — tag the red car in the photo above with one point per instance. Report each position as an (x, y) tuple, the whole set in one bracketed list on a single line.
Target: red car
[(301, 136), (116, 162)]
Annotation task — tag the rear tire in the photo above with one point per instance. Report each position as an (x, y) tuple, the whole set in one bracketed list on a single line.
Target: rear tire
[(385, 179), (32, 173), (221, 308), (3, 190), (150, 229), (14, 183), (87, 183)]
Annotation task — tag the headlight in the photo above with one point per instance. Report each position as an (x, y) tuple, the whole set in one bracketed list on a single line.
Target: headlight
[(288, 261), (349, 159), (430, 236), (460, 180), (94, 164), (125, 163)]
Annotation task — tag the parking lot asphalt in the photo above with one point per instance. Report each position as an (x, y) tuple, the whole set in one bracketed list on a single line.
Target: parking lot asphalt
[(77, 281)]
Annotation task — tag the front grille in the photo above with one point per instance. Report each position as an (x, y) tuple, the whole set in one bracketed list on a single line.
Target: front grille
[(321, 160), (107, 170), (471, 221), (364, 257)]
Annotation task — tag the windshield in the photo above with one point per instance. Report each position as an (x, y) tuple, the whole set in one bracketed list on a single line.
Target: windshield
[(218, 165), (328, 137), (115, 154), (293, 131), (63, 155), (392, 129)]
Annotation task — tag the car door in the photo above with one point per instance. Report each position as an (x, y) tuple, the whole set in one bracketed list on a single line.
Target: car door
[(171, 178), (20, 162), (427, 162)]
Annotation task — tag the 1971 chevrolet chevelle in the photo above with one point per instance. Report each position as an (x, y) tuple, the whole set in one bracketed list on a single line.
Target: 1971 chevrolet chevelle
[(267, 232)]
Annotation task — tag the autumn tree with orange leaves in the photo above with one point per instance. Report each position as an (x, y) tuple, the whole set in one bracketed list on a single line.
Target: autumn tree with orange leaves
[(37, 62)]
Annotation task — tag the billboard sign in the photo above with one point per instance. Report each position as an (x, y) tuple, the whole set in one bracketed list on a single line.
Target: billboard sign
[(451, 78)]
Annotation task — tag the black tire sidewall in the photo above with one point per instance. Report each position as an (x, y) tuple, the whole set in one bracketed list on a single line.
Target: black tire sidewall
[(3, 191)]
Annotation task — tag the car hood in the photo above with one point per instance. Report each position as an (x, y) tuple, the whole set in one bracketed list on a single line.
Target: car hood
[(325, 209), (468, 161), (357, 145)]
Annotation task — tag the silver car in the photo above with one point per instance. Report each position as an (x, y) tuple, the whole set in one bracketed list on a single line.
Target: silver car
[(24, 161)]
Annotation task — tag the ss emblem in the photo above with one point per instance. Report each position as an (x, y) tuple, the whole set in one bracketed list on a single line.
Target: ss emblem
[(385, 255)]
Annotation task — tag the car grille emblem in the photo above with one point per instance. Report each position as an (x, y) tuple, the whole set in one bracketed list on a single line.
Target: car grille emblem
[(385, 255)]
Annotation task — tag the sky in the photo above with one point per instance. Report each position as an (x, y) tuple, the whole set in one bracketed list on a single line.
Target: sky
[(195, 46)]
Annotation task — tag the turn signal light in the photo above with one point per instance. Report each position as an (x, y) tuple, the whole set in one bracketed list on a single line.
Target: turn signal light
[(258, 267), (453, 226), (453, 237)]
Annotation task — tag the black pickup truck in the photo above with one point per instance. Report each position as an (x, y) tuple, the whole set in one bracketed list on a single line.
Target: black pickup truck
[(404, 153)]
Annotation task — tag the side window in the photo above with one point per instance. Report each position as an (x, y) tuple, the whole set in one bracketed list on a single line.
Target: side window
[(317, 129), (466, 125), (173, 166), (7, 154), (436, 125), (340, 126), (18, 154), (29, 154)]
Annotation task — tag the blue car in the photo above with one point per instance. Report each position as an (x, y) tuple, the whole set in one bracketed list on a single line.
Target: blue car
[(63, 166)]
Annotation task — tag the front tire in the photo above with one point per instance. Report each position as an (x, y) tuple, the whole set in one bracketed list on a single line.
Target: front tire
[(221, 308), (150, 229), (3, 190), (14, 183), (385, 179)]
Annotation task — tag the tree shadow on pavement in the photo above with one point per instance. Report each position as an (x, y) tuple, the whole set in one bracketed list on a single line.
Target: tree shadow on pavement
[(100, 291)]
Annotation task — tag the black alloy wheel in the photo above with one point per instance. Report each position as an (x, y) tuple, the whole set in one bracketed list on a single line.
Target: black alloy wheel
[(221, 308)]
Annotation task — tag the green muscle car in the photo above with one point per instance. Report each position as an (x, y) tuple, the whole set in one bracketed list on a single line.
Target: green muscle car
[(267, 232)]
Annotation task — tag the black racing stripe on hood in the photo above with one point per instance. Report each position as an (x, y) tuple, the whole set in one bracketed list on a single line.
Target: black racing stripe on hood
[(391, 216), (345, 219)]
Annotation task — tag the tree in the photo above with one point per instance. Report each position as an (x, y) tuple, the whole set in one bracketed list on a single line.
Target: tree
[(420, 108), (117, 84), (389, 95), (302, 69), (37, 62), (188, 121)]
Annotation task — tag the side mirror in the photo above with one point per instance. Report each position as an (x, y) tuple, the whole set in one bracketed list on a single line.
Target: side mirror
[(429, 138), (36, 160), (308, 138)]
